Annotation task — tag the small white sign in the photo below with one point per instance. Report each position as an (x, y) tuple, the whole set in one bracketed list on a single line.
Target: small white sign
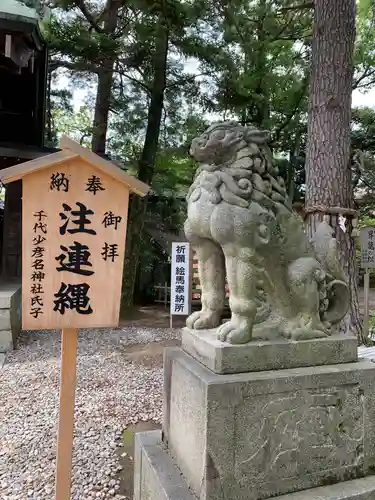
[(367, 239), (180, 279)]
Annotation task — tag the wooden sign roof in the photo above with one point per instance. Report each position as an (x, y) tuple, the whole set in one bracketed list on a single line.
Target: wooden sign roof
[(71, 150)]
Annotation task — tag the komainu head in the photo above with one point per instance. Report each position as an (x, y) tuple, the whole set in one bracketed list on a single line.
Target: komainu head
[(221, 141)]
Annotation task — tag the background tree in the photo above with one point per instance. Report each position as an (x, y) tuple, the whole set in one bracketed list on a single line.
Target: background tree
[(146, 164), (134, 54), (251, 62), (87, 39), (328, 173)]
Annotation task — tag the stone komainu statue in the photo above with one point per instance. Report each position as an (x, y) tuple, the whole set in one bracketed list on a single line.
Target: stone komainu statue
[(240, 223)]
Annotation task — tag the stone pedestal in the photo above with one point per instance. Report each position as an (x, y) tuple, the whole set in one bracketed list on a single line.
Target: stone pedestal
[(262, 434), (267, 355), (10, 315)]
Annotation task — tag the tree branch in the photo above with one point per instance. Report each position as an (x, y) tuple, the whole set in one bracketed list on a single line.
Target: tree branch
[(82, 7), (83, 137), (79, 66), (295, 38), (187, 78), (134, 80), (91, 68), (282, 30), (367, 72), (302, 6), (291, 115)]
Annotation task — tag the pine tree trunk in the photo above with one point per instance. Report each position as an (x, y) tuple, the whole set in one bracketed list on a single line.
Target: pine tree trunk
[(328, 174), (146, 167), (101, 114), (105, 78)]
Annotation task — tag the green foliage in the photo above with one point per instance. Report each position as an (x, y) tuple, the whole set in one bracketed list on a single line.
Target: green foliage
[(253, 62), (59, 104), (364, 56), (77, 48), (77, 124), (256, 67), (363, 142), (366, 220)]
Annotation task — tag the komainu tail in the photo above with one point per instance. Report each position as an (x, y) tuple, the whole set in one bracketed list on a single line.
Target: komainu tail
[(338, 293)]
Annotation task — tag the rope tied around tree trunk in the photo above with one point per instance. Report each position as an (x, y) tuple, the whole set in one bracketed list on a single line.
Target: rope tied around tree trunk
[(349, 213)]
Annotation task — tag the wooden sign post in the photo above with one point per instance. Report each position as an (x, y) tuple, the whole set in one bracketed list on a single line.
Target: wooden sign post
[(74, 216), (367, 239)]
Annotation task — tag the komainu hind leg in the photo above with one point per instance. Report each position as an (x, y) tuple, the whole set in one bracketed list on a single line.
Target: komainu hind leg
[(211, 266)]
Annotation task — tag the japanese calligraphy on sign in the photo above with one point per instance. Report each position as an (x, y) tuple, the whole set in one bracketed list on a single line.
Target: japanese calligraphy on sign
[(74, 249), (180, 279), (74, 215), (73, 239), (367, 239)]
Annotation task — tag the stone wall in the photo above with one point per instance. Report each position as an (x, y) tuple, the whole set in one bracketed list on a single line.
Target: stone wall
[(10, 315)]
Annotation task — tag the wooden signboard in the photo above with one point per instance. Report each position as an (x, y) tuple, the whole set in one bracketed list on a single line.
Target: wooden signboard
[(74, 228), (74, 216), (180, 279), (181, 285), (367, 240)]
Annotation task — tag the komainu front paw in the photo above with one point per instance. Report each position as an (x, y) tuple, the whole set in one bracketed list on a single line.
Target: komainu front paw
[(233, 333), (201, 320)]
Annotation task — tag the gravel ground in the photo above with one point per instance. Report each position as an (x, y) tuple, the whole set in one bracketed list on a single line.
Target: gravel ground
[(112, 392)]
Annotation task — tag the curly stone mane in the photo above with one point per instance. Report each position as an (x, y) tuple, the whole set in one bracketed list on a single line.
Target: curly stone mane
[(236, 166)]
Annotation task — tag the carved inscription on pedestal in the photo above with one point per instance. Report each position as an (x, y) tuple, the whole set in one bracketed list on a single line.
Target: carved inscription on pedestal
[(298, 434)]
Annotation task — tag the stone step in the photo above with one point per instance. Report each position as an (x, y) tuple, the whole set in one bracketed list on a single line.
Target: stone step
[(158, 478), (366, 352)]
